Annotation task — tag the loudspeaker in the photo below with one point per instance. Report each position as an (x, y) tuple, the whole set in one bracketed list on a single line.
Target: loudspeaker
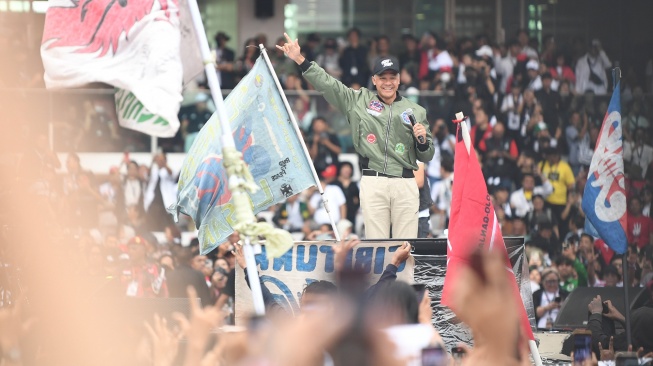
[(264, 8), (574, 313)]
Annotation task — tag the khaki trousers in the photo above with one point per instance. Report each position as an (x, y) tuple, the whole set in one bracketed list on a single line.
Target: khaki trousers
[(389, 202)]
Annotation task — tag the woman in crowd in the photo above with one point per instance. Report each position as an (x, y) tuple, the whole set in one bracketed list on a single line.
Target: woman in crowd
[(350, 189), (548, 299)]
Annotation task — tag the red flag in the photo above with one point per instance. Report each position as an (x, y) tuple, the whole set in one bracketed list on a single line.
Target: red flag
[(473, 224)]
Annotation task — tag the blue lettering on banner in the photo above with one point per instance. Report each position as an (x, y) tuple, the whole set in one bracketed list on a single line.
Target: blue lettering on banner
[(379, 260), (328, 262), (262, 259), (284, 261), (302, 264), (306, 262), (364, 259)]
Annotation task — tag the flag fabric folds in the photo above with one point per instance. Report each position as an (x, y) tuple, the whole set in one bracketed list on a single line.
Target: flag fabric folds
[(264, 133), (604, 198), (472, 225), (134, 46)]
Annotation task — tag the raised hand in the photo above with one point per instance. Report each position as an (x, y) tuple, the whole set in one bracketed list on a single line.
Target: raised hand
[(607, 354), (340, 252), (401, 254), (240, 257), (292, 50), (613, 313), (596, 305), (482, 305), (197, 330), (165, 343)]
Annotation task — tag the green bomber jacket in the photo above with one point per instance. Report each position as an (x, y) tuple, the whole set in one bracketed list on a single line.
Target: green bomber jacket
[(382, 134)]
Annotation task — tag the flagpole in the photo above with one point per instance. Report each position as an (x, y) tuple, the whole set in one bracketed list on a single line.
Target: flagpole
[(616, 78), (232, 159), (301, 140), (464, 130)]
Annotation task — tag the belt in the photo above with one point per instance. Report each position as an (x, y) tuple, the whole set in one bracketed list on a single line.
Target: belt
[(374, 173)]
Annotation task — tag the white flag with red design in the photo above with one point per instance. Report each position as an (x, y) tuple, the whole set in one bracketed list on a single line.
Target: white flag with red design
[(135, 46), (473, 225)]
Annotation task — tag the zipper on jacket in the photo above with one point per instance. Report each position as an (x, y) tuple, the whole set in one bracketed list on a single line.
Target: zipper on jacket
[(387, 135)]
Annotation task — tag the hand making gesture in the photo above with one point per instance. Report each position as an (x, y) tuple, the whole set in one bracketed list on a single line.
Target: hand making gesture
[(292, 50)]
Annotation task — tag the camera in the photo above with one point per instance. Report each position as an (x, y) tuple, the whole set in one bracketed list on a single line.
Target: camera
[(606, 309)]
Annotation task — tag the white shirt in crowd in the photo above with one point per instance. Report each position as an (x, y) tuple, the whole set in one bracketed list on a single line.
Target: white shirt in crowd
[(168, 187), (521, 205), (596, 64), (133, 190), (505, 68), (509, 106), (295, 220), (642, 155), (547, 298), (441, 194), (433, 167), (335, 197), (443, 59), (108, 192)]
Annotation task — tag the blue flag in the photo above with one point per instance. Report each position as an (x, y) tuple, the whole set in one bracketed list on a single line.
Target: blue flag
[(264, 133), (604, 199)]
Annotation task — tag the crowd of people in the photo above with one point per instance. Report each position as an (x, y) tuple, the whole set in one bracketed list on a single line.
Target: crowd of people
[(535, 116)]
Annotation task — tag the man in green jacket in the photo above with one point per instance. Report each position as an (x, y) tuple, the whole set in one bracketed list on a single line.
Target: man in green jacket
[(388, 144)]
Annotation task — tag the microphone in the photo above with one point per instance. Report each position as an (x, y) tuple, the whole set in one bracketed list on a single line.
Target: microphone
[(413, 122)]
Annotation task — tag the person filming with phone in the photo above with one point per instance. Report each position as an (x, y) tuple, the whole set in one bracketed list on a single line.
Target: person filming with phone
[(548, 299), (601, 323), (390, 135)]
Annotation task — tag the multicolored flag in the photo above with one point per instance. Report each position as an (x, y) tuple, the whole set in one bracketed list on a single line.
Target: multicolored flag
[(263, 132), (604, 199), (139, 47), (473, 224)]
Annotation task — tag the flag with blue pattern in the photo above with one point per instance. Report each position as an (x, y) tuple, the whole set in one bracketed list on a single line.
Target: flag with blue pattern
[(604, 199), (263, 132)]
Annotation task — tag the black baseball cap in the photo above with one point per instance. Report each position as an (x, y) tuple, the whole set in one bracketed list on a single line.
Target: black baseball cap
[(385, 64)]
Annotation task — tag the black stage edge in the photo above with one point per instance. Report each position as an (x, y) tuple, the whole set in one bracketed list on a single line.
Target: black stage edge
[(431, 246)]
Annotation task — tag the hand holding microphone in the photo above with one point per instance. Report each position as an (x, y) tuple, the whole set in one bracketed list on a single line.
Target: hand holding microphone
[(421, 139)]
